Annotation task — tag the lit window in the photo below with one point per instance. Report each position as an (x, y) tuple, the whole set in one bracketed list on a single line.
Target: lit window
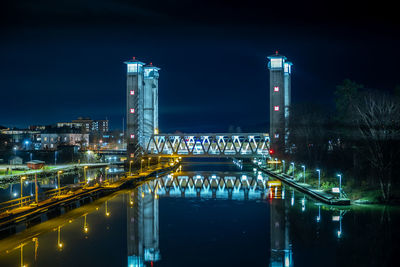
[(276, 108), (276, 89), (147, 72), (287, 67), (132, 110), (134, 67), (276, 62), (132, 136), (132, 92), (276, 135)]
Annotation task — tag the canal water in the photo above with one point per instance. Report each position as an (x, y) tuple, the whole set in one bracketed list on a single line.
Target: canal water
[(183, 219)]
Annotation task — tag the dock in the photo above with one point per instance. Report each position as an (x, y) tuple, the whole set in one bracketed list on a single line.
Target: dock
[(316, 194), (20, 217)]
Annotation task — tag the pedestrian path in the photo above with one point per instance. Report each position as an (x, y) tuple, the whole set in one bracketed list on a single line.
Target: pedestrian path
[(319, 195)]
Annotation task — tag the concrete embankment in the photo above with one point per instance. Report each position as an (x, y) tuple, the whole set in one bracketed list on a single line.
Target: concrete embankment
[(18, 219), (318, 195)]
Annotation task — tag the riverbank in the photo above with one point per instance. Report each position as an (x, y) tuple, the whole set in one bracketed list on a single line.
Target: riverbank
[(24, 215), (358, 193), (49, 171), (319, 195)]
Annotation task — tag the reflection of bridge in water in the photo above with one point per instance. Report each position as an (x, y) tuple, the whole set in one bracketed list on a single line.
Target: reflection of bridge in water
[(143, 212), (226, 185)]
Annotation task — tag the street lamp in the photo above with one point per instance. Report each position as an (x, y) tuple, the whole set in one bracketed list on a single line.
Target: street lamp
[(304, 173), (319, 178), (84, 172), (130, 167), (36, 190), (59, 188), (293, 170), (276, 163), (106, 172), (22, 186), (141, 165), (148, 162), (283, 169), (159, 157), (340, 185)]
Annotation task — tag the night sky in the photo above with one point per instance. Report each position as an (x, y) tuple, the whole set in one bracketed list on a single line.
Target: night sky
[(63, 59)]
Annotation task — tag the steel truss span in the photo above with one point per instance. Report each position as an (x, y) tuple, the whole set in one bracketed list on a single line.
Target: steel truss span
[(209, 144)]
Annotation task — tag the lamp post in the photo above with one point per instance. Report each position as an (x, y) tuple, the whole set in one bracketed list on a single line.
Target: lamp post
[(159, 157), (340, 185), (141, 165), (84, 172), (106, 172), (293, 170), (59, 187), (319, 178), (283, 169), (148, 162), (36, 189), (22, 187), (304, 173), (130, 167)]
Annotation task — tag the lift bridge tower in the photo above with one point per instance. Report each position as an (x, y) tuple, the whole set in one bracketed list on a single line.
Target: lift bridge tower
[(141, 104), (280, 98)]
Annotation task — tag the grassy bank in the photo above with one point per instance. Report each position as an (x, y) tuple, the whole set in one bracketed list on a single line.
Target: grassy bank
[(356, 192)]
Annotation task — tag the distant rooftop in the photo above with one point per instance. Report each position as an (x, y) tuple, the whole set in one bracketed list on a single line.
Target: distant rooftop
[(134, 60), (150, 65), (276, 55)]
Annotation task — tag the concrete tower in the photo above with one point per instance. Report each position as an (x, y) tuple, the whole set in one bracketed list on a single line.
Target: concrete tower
[(280, 91), (134, 106), (150, 101)]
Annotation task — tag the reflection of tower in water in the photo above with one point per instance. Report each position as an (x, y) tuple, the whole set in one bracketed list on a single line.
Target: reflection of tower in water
[(281, 249), (142, 226)]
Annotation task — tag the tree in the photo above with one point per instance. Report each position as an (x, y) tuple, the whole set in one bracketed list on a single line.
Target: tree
[(378, 119), (308, 132), (345, 94)]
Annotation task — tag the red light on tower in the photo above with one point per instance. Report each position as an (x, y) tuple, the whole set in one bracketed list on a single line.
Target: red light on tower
[(271, 151)]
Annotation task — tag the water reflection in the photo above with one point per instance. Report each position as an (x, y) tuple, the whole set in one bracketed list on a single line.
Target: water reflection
[(298, 229), (143, 225), (281, 248)]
